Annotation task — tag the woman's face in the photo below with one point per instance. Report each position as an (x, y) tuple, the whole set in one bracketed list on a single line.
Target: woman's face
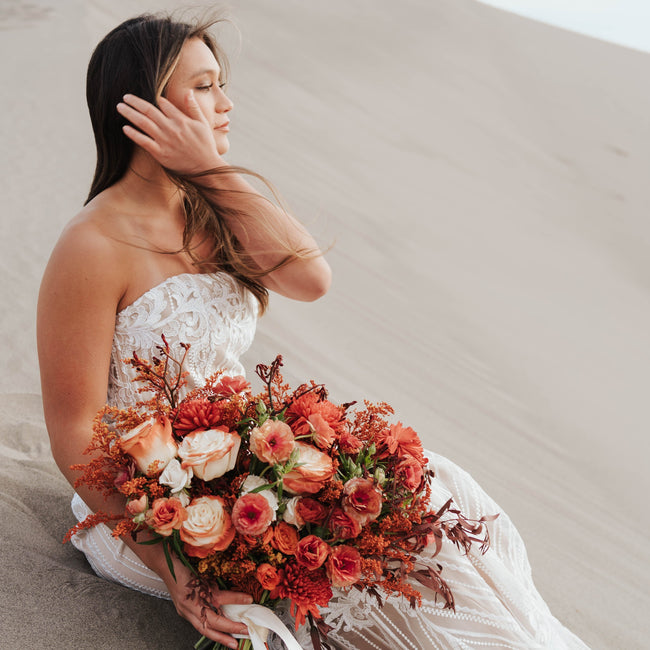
[(198, 71)]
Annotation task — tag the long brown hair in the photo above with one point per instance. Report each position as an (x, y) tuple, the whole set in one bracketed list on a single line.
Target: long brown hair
[(138, 57)]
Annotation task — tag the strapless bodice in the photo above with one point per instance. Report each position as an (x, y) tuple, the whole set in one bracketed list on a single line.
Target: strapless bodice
[(212, 312)]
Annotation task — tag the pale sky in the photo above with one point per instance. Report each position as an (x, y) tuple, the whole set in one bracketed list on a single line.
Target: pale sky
[(626, 22)]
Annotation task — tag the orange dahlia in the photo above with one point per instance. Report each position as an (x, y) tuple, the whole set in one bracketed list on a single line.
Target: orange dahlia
[(307, 590), (197, 415)]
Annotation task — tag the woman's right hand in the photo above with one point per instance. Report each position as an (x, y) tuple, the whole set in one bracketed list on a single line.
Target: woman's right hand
[(206, 621)]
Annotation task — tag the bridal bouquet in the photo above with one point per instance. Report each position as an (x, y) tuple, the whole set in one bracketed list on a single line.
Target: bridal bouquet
[(281, 494)]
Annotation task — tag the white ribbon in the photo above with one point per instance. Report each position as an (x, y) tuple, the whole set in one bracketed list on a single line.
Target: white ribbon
[(260, 620)]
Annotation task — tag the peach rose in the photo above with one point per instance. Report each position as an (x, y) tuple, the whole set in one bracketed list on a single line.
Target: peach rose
[(252, 514), (311, 511), (166, 515), (322, 433), (285, 538), (150, 442), (311, 552), (210, 453), (343, 526), (361, 500), (343, 566), (272, 442), (208, 527), (137, 506), (267, 576), (409, 473), (313, 471)]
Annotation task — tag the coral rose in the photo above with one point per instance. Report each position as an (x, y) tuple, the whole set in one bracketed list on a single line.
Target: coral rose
[(210, 453), (361, 500), (150, 442), (311, 552), (267, 576), (342, 525), (273, 442), (166, 515), (232, 386), (313, 471), (285, 538), (343, 566), (252, 514), (409, 473), (311, 511)]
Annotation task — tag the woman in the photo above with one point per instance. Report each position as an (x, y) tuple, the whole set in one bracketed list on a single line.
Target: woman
[(174, 240)]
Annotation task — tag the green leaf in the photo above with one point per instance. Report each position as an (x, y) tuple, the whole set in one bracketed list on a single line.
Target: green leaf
[(170, 564)]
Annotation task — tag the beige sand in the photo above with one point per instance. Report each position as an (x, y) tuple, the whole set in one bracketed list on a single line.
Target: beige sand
[(483, 178)]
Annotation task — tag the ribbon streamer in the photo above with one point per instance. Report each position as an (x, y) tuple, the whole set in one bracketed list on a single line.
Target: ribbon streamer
[(260, 620)]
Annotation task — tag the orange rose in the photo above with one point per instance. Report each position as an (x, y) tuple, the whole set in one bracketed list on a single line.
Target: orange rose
[(210, 453), (343, 566), (150, 442), (343, 526), (273, 442), (285, 538), (267, 576), (311, 552), (252, 514), (208, 527), (166, 515), (361, 500), (314, 470)]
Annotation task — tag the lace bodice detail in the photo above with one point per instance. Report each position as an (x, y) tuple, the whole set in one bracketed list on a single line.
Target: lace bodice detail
[(212, 312)]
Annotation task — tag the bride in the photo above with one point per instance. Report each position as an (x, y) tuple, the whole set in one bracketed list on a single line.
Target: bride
[(173, 240)]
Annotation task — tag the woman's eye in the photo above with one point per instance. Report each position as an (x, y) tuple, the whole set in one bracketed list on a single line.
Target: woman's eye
[(206, 87), (222, 85)]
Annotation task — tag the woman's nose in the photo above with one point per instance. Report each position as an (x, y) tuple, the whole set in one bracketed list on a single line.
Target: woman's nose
[(224, 103)]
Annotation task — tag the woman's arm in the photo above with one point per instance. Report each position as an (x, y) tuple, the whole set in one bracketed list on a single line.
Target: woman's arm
[(184, 142), (81, 288)]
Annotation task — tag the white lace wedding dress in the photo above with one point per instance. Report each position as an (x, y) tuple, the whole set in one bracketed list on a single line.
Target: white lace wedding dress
[(497, 605)]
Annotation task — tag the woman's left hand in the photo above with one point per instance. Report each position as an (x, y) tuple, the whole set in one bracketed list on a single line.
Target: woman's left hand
[(182, 142)]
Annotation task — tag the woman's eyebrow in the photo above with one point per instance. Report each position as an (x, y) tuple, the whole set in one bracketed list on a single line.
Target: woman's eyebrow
[(211, 71)]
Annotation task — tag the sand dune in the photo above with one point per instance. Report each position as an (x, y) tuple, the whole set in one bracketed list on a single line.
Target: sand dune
[(482, 180)]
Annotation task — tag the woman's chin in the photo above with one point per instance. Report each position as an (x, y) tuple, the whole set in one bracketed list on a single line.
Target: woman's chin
[(223, 145)]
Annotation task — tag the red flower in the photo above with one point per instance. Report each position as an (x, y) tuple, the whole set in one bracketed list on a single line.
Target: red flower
[(344, 566), (311, 511), (197, 415), (298, 413), (343, 526), (311, 552), (307, 590), (349, 443), (399, 440)]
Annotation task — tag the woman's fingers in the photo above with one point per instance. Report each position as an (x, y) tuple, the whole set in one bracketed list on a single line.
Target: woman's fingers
[(230, 598), (145, 108)]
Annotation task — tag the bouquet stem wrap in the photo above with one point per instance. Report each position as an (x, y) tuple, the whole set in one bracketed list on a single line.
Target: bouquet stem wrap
[(260, 620)]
